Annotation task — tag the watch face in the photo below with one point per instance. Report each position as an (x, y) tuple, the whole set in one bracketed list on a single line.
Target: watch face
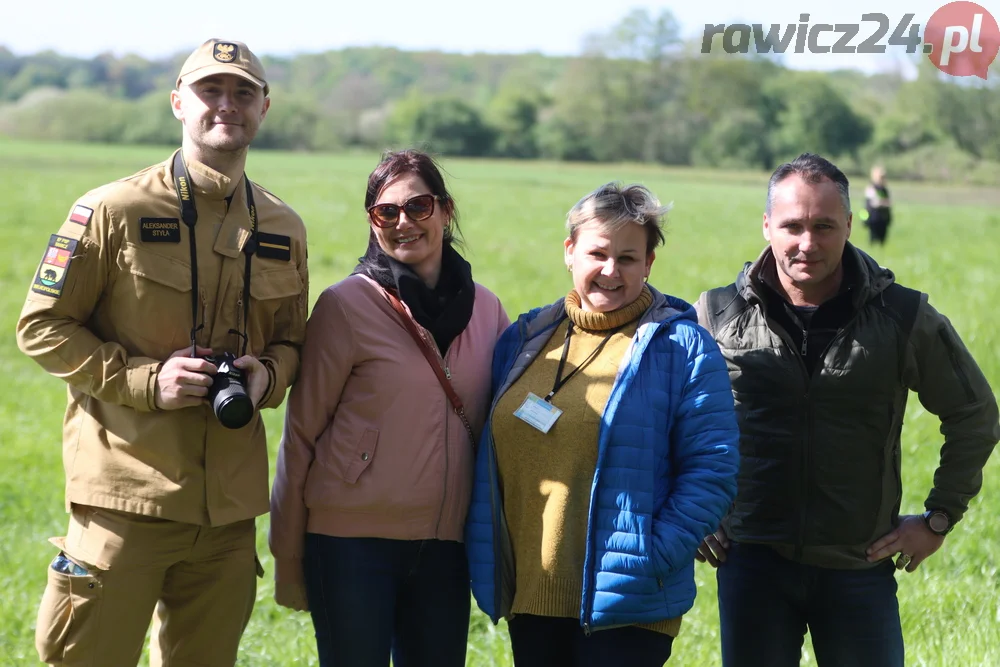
[(938, 522)]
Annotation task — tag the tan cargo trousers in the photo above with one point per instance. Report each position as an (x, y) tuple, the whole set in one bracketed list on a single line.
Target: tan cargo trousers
[(200, 581)]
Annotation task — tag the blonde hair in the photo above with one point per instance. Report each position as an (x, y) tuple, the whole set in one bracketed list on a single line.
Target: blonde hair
[(614, 206)]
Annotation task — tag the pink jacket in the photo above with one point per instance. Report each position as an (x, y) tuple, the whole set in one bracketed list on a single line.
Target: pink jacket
[(371, 445)]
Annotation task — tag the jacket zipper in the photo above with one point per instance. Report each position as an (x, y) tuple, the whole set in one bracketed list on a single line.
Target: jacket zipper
[(804, 470), (444, 489), (803, 516)]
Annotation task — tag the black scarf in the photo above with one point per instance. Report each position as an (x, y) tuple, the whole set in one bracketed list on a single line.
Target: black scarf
[(444, 311)]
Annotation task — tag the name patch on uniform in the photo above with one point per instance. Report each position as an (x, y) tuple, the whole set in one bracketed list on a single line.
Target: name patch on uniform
[(274, 246), (81, 215), (160, 230), (52, 272)]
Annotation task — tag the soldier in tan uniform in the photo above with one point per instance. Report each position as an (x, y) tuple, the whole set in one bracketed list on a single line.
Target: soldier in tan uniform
[(124, 306)]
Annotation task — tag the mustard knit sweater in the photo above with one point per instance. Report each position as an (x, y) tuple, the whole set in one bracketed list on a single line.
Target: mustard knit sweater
[(547, 478)]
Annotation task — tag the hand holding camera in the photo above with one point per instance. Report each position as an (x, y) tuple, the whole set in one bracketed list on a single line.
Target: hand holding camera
[(183, 381), (232, 386), (257, 378)]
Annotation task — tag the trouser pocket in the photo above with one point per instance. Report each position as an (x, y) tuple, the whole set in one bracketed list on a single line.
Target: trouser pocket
[(67, 617)]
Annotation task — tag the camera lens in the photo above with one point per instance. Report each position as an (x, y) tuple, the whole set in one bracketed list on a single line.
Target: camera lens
[(228, 394), (233, 407)]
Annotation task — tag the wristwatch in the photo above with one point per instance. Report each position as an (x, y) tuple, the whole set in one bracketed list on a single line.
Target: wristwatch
[(937, 521)]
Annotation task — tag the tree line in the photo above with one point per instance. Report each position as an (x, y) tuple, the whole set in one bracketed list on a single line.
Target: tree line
[(637, 93)]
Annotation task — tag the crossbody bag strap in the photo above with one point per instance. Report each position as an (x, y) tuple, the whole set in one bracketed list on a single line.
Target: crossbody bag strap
[(456, 402)]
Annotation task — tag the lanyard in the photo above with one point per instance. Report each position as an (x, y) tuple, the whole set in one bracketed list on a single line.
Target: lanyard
[(185, 199), (560, 380)]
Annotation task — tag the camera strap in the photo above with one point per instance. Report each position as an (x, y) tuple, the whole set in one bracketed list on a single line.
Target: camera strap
[(189, 214), (249, 248), (456, 402)]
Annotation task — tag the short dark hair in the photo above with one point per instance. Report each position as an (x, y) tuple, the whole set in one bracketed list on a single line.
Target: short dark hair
[(813, 168), (395, 163)]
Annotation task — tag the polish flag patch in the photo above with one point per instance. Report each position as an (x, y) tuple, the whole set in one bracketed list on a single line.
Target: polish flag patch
[(81, 215)]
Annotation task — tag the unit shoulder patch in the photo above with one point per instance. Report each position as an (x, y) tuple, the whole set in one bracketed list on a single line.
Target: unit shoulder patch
[(51, 276)]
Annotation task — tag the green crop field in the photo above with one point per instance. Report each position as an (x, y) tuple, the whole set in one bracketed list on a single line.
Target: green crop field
[(944, 240)]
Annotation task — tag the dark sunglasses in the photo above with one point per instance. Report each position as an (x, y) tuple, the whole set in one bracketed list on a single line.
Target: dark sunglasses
[(416, 208)]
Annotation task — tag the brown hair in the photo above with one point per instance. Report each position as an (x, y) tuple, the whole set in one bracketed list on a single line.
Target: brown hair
[(395, 163)]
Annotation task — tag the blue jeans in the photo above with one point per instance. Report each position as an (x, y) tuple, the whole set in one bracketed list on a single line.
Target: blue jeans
[(372, 597), (766, 602)]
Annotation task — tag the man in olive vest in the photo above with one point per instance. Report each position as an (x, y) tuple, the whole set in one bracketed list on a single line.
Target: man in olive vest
[(823, 347)]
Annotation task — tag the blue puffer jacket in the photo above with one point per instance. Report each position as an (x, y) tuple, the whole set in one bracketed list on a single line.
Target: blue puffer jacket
[(668, 454)]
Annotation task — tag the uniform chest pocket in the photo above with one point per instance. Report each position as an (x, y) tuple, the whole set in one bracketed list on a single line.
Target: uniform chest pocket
[(153, 295), (280, 283), (269, 289)]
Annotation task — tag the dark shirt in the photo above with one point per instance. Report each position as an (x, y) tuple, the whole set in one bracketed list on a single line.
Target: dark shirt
[(811, 329)]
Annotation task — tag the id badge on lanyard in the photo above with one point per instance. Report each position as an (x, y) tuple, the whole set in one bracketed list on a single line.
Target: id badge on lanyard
[(539, 412)]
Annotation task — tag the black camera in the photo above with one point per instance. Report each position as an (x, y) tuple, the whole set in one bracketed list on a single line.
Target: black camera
[(228, 394)]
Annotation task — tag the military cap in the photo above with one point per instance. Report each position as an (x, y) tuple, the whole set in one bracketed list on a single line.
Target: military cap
[(217, 56)]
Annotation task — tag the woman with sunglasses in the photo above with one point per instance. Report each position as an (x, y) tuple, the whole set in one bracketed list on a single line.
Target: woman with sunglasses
[(610, 451), (374, 471)]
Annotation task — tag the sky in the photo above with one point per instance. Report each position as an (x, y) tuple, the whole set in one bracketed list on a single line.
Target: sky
[(291, 27)]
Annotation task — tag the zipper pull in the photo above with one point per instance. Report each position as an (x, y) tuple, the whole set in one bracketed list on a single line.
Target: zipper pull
[(805, 341), (447, 372)]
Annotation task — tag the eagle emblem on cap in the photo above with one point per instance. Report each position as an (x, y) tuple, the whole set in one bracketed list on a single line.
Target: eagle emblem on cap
[(225, 52)]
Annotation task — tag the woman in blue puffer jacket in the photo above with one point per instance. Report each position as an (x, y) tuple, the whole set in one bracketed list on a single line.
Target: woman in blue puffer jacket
[(610, 451)]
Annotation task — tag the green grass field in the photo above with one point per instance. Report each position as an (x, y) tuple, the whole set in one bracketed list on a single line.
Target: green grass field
[(944, 241)]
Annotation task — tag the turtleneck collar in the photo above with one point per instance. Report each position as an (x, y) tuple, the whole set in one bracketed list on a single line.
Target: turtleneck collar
[(606, 321)]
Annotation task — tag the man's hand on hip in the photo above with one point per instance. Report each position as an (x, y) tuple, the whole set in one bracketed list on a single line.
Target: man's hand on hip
[(183, 380), (913, 540)]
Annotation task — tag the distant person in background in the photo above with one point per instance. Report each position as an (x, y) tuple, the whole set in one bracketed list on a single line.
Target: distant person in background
[(145, 277), (823, 347), (375, 467), (878, 207), (608, 454)]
